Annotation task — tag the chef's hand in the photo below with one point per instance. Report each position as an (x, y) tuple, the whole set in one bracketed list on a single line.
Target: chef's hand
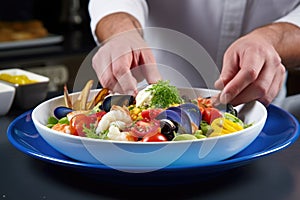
[(124, 59), (252, 69)]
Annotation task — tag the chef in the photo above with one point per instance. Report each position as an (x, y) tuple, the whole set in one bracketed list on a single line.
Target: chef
[(252, 42)]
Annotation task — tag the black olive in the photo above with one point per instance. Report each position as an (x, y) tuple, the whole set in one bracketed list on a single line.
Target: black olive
[(230, 109), (168, 128)]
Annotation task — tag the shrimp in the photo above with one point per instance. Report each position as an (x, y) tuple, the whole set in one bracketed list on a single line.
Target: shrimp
[(62, 128), (116, 113), (114, 132)]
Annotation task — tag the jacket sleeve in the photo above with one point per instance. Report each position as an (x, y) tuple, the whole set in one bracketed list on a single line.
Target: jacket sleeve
[(101, 8), (292, 17)]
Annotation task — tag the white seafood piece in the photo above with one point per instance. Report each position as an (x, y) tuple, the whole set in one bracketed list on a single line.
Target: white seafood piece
[(117, 113), (143, 97), (121, 125), (62, 128), (114, 132)]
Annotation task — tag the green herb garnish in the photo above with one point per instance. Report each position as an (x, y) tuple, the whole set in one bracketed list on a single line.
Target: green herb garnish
[(91, 132), (164, 95)]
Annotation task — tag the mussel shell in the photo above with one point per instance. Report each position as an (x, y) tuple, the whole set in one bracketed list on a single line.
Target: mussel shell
[(185, 125), (178, 116), (193, 112), (119, 100), (61, 112)]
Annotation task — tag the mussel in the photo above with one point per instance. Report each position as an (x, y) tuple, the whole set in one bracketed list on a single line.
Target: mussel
[(119, 100), (184, 117), (193, 112), (181, 119), (61, 112)]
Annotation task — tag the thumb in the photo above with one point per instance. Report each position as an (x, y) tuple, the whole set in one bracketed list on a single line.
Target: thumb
[(229, 70)]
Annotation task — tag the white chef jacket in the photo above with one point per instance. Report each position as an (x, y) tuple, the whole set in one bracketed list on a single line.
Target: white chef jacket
[(215, 24)]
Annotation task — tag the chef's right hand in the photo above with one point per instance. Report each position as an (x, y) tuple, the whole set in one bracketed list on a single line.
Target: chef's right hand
[(124, 60)]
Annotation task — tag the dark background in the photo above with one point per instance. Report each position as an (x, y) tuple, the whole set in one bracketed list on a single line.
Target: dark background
[(52, 12), (55, 15)]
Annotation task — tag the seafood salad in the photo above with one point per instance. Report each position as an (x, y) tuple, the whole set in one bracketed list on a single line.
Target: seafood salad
[(156, 114)]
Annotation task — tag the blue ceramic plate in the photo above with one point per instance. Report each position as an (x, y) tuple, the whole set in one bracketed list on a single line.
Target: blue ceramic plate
[(280, 131)]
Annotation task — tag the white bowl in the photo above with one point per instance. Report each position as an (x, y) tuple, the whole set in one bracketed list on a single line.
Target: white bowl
[(7, 94), (154, 155)]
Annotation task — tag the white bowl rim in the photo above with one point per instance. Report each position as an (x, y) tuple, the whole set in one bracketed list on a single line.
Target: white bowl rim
[(6, 87), (79, 138)]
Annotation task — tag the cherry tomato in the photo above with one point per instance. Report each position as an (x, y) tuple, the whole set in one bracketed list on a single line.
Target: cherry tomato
[(201, 110), (158, 137), (209, 114), (98, 115), (150, 114), (78, 122), (142, 128)]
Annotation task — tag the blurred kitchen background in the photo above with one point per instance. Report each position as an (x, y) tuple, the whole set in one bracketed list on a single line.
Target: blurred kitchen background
[(60, 56), (57, 56)]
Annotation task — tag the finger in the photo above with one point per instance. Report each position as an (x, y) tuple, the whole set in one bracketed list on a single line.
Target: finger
[(101, 63), (136, 69), (229, 69), (275, 87), (117, 88), (251, 66), (149, 67), (106, 79), (122, 73), (137, 73), (264, 88)]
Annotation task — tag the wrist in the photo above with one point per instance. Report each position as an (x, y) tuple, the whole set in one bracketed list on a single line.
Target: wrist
[(115, 24), (271, 33), (285, 38)]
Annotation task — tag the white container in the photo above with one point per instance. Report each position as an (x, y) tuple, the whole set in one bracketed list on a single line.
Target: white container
[(7, 94), (28, 95)]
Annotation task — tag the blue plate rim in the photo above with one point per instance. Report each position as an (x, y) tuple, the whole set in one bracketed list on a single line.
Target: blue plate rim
[(76, 164)]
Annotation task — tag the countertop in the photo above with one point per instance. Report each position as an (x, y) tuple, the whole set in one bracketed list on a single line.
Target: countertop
[(276, 176)]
